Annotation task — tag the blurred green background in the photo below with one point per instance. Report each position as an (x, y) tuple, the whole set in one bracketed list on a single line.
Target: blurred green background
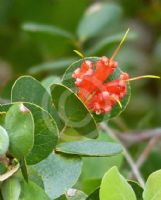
[(38, 38)]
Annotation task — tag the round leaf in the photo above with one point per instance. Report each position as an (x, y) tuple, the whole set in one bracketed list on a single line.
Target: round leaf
[(89, 148), (114, 187), (59, 173), (49, 29), (152, 189), (19, 124), (72, 111), (69, 82), (35, 177), (96, 18), (28, 89), (89, 180), (4, 141), (11, 189), (32, 191), (45, 135)]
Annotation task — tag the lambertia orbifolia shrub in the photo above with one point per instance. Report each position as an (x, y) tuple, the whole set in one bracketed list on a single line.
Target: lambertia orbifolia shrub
[(46, 134)]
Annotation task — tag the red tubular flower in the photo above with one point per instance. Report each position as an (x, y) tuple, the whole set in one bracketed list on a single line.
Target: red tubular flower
[(90, 78), (98, 96), (104, 67)]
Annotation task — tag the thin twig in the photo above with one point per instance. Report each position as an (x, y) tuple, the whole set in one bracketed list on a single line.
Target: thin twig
[(144, 155), (128, 157), (130, 138), (147, 151)]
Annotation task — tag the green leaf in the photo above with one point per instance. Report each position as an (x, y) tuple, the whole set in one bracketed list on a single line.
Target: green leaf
[(152, 189), (96, 18), (90, 148), (59, 173), (107, 41), (19, 124), (55, 66), (115, 187), (35, 177), (45, 135), (49, 29), (94, 195), (28, 89), (72, 111), (137, 189), (68, 81), (89, 180), (32, 191), (4, 141), (11, 189)]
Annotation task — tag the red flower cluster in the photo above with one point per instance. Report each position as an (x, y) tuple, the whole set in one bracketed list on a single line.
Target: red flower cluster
[(98, 95)]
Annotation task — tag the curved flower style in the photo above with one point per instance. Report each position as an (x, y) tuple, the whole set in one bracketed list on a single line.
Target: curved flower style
[(98, 95)]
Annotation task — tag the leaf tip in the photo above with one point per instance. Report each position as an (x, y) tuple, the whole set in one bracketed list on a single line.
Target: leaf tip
[(23, 108)]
